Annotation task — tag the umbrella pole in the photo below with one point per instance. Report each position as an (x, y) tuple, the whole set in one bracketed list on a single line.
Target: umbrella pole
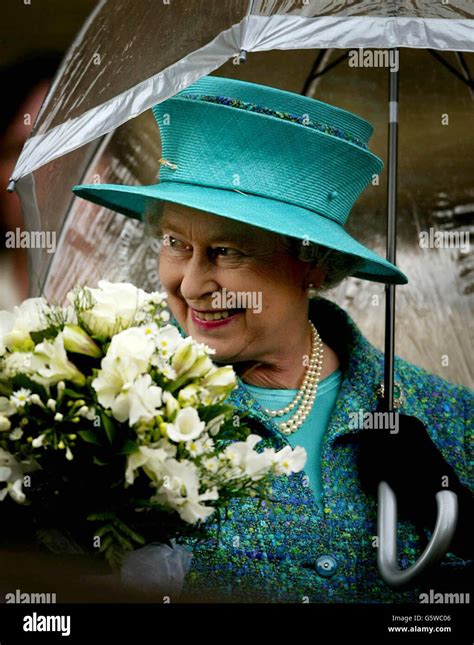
[(391, 237)]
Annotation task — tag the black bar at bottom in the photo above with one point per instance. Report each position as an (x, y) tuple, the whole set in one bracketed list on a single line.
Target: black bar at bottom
[(162, 623)]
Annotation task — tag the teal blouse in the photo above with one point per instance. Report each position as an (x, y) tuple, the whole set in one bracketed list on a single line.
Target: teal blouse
[(311, 433)]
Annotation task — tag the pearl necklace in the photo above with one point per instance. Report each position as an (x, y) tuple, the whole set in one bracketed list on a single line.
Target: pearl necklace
[(307, 390)]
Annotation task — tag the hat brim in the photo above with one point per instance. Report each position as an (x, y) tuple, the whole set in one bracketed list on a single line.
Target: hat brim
[(269, 214)]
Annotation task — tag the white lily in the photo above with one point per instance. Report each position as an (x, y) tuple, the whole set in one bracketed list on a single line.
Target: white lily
[(51, 364), (136, 400), (150, 459)]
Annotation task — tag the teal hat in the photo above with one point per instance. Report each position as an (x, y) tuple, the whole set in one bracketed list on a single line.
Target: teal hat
[(263, 156)]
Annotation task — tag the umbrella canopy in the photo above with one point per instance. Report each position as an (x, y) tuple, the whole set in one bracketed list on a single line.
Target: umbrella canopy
[(95, 127)]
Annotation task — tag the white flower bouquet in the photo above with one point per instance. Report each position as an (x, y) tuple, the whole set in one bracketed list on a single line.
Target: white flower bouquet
[(114, 428)]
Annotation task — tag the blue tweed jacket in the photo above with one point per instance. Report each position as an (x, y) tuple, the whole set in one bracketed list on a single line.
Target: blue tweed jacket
[(287, 550)]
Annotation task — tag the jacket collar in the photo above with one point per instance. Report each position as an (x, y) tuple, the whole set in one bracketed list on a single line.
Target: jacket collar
[(361, 367)]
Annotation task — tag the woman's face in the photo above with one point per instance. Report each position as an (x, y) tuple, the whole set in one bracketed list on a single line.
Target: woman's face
[(231, 285)]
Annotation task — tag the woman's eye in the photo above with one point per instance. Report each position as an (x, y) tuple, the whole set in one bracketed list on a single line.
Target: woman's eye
[(226, 251), (172, 242)]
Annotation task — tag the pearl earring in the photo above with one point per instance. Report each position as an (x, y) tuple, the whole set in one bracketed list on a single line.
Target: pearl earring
[(311, 291)]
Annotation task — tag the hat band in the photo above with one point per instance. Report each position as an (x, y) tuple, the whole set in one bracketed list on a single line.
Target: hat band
[(303, 120)]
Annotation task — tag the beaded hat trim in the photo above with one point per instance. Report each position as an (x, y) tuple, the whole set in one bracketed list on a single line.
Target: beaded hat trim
[(302, 120)]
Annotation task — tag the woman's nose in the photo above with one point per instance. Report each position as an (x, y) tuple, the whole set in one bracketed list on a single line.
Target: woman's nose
[(199, 277)]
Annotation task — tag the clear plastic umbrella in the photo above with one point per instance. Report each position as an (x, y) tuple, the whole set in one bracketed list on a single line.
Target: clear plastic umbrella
[(94, 124)]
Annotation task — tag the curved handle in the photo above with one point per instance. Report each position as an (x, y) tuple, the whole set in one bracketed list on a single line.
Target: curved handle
[(387, 555)]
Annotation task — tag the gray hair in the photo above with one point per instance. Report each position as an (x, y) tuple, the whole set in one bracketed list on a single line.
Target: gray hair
[(338, 265)]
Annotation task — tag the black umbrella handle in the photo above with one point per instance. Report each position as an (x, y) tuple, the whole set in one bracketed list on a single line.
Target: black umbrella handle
[(391, 237)]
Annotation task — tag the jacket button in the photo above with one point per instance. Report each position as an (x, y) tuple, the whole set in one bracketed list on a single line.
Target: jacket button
[(326, 566)]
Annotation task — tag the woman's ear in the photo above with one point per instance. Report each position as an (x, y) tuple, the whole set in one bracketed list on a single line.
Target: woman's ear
[(316, 276)]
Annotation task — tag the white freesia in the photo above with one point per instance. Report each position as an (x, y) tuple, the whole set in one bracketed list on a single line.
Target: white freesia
[(211, 464), (189, 396), (201, 366), (180, 489), (7, 407), (127, 358), (15, 327), (38, 441), (220, 380), (253, 464), (51, 365), (150, 459), (185, 356), (137, 400), (214, 425), (12, 473), (288, 460), (7, 322), (115, 307), (115, 377), (186, 426), (16, 434), (78, 341), (172, 405), (5, 423)]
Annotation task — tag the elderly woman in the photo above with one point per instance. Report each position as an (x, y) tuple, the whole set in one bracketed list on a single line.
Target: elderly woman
[(255, 188)]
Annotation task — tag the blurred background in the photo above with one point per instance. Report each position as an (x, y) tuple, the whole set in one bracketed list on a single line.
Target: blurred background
[(34, 37), (436, 162)]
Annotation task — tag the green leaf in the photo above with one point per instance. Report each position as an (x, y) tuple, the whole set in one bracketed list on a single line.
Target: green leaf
[(90, 436), (128, 531), (22, 380), (208, 412), (109, 427), (108, 541), (72, 394), (39, 336), (128, 448), (102, 516)]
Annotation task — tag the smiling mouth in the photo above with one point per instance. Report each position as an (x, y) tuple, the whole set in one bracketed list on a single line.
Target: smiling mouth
[(215, 315)]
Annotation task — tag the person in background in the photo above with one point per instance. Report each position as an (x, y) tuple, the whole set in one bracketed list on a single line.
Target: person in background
[(27, 82)]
